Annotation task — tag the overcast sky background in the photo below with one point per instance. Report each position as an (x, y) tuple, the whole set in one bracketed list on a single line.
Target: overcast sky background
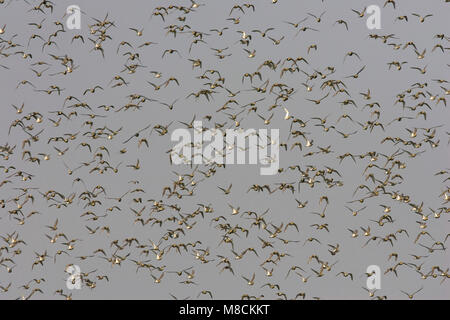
[(333, 42)]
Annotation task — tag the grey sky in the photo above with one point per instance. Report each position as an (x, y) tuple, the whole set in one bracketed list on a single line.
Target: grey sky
[(333, 42)]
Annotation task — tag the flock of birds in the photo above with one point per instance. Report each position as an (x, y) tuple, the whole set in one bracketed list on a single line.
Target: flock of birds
[(179, 239)]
